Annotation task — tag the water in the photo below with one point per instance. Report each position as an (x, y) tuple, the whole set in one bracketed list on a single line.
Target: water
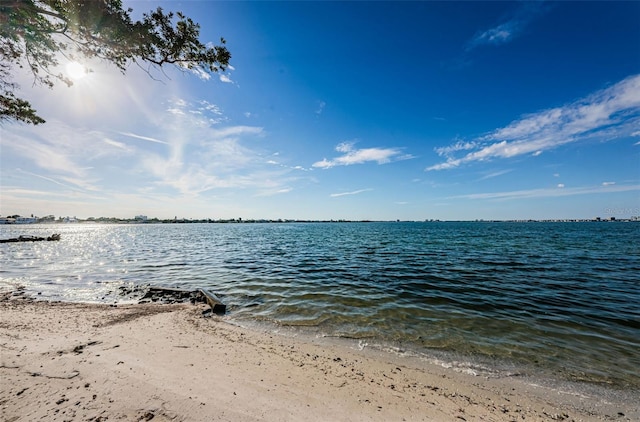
[(560, 300)]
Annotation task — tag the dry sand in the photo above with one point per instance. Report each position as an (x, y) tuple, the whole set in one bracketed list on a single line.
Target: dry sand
[(82, 362)]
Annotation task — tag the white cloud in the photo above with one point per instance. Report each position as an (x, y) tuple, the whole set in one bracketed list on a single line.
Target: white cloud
[(608, 183), (610, 113), (355, 192), (212, 108), (495, 174), (175, 110), (507, 31), (180, 107), (548, 192), (202, 157), (195, 157), (234, 131), (205, 75), (200, 73), (460, 145), (321, 106), (273, 191), (148, 147), (116, 144), (144, 138), (179, 102), (352, 155), (49, 179), (560, 185), (498, 35), (61, 150)]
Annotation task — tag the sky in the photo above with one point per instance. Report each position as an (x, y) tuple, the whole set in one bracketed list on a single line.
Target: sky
[(349, 110)]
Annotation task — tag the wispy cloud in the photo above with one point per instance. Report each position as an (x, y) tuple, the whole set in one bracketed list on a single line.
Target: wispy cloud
[(49, 179), (513, 26), (144, 138), (275, 191), (226, 77), (495, 174), (29, 192), (204, 155), (321, 106), (610, 113), (60, 150), (212, 108), (355, 192), (352, 155), (558, 191), (459, 145), (216, 158), (195, 156), (211, 112), (117, 144), (231, 131)]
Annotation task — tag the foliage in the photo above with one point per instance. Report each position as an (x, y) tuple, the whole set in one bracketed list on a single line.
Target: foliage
[(37, 33)]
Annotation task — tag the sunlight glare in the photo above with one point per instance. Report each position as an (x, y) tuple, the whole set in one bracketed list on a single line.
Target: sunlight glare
[(76, 71)]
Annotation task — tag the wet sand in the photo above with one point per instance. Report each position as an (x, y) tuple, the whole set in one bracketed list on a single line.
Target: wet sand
[(87, 362)]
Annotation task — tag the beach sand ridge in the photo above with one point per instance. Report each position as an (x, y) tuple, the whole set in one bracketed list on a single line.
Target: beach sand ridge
[(90, 362)]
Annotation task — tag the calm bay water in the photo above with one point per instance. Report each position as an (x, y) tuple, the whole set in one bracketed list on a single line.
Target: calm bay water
[(561, 299)]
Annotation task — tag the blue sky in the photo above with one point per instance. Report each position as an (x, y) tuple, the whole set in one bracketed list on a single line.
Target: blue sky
[(351, 110)]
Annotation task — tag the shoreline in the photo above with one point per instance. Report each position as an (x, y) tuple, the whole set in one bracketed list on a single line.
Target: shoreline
[(92, 362)]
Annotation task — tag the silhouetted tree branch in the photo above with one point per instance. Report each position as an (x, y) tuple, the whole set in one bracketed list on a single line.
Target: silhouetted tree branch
[(34, 32)]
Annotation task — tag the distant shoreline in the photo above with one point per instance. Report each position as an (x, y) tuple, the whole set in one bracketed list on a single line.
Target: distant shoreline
[(108, 220)]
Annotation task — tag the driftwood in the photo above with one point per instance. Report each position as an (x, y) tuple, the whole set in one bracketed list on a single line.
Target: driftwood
[(217, 306), (53, 237), (173, 295)]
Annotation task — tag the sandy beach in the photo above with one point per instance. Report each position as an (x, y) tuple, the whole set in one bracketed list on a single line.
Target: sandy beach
[(88, 362)]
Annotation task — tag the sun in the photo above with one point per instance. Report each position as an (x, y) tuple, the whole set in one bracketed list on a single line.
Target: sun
[(76, 71)]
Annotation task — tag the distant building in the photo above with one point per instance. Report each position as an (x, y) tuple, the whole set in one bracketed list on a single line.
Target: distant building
[(141, 218)]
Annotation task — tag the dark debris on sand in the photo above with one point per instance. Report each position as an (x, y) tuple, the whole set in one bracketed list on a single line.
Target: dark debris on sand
[(168, 295), (141, 294), (162, 295)]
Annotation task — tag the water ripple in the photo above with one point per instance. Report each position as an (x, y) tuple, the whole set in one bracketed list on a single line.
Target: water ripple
[(556, 297)]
